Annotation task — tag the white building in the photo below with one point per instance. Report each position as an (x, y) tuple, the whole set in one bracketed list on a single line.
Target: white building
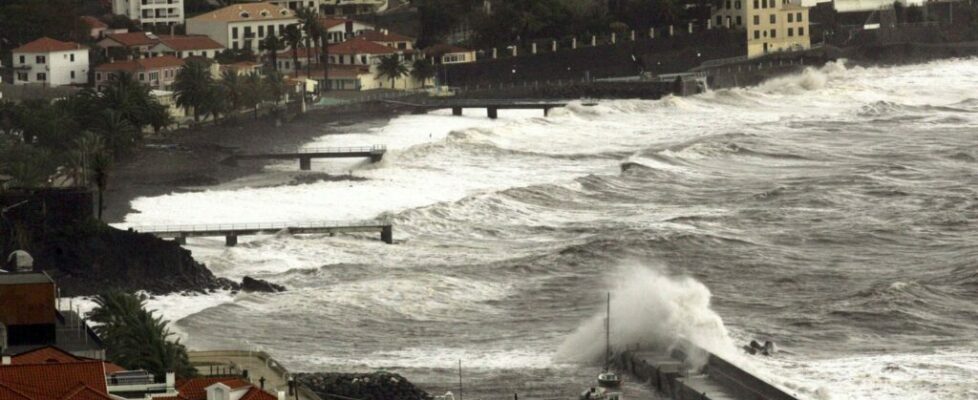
[(352, 7), (340, 29), (186, 46), (242, 26), (149, 12), (50, 62)]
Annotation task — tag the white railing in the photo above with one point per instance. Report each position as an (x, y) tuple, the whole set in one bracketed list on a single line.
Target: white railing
[(360, 149), (258, 226)]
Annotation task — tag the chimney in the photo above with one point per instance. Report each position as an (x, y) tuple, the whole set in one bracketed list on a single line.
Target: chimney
[(6, 361), (171, 380)]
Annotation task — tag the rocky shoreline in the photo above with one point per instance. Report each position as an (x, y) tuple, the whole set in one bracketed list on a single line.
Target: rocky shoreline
[(364, 386)]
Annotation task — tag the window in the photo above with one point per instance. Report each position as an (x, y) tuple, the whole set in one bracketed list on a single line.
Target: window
[(774, 33), (154, 76), (719, 20), (42, 76), (22, 76), (757, 20), (261, 31), (72, 74), (247, 32), (98, 76), (798, 17), (801, 31), (771, 4), (728, 4), (756, 4), (774, 18), (791, 32), (740, 22), (757, 34), (737, 4), (234, 45), (22, 61), (271, 30), (363, 60), (234, 33), (142, 77), (791, 17), (41, 59)]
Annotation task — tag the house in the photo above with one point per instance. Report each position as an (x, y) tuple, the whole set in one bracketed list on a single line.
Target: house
[(243, 67), (54, 381), (449, 54), (242, 26), (386, 38), (181, 46), (223, 388), (286, 63), (151, 12), (30, 317), (770, 25), (359, 51), (128, 45), (352, 7), (96, 28), (340, 29), (50, 62), (156, 72)]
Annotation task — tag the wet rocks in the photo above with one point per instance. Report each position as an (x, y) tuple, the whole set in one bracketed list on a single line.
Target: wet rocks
[(249, 284), (366, 386)]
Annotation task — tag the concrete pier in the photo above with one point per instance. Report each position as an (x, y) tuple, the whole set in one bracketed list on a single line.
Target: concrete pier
[(231, 232), (492, 106), (306, 155)]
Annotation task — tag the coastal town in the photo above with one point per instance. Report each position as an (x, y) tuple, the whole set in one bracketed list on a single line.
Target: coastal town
[(103, 102)]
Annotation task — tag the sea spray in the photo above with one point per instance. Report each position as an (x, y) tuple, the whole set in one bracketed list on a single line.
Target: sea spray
[(651, 309)]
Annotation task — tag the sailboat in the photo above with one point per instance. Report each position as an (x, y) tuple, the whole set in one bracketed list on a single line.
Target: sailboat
[(608, 380)]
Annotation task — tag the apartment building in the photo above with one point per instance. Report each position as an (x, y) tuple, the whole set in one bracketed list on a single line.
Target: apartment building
[(157, 72), (340, 29), (186, 46), (242, 26), (770, 25), (50, 62), (151, 12)]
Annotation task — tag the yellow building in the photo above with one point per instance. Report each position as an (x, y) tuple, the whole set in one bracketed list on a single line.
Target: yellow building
[(771, 25)]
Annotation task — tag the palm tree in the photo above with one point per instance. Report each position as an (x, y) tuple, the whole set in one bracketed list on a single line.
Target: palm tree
[(272, 44), (275, 86), (293, 37), (100, 164), (232, 87), (255, 91), (192, 86), (422, 71), (87, 146), (215, 102), (391, 67), (309, 19), (118, 133)]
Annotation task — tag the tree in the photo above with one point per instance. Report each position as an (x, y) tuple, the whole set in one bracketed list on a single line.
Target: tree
[(192, 86), (136, 338), (391, 67), (275, 86), (313, 31), (254, 91), (88, 146), (233, 89), (117, 132), (422, 71), (272, 44), (293, 38), (29, 166)]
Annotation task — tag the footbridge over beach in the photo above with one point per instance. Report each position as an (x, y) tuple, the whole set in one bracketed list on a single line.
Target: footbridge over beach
[(305, 155), (492, 106), (231, 232), (689, 372)]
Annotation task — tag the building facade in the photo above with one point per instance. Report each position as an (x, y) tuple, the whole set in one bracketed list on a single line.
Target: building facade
[(243, 26), (340, 29), (151, 12), (186, 46), (771, 26), (50, 62), (156, 72), (352, 7)]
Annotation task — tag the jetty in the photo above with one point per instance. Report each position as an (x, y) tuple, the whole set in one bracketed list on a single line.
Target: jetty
[(231, 232), (305, 155), (671, 374), (492, 106)]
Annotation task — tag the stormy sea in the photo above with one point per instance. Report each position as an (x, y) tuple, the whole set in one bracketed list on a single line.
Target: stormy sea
[(833, 212)]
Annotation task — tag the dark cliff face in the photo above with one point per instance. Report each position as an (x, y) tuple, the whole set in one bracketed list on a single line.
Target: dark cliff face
[(85, 263)]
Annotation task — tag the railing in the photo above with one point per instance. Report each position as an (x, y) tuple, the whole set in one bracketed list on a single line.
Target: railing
[(256, 226), (360, 149)]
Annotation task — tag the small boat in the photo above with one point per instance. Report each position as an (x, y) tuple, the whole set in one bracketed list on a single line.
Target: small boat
[(608, 381)]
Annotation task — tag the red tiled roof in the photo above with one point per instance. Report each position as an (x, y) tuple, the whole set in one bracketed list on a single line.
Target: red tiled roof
[(265, 11), (196, 388), (7, 393), (93, 23), (47, 45), (359, 45), (62, 381), (331, 22), (258, 394), (132, 39), (45, 355), (142, 64), (192, 42), (378, 36)]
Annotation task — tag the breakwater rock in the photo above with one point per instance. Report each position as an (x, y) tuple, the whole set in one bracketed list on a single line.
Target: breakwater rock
[(368, 386)]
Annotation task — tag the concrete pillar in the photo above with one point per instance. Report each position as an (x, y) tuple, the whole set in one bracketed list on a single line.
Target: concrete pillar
[(456, 111), (534, 47), (553, 46), (546, 111), (633, 36), (574, 43), (495, 53), (614, 37), (672, 31), (652, 33), (594, 40), (305, 163), (690, 27), (387, 234), (493, 112), (231, 240)]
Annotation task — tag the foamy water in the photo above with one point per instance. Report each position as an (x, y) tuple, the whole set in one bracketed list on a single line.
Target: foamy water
[(788, 211)]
